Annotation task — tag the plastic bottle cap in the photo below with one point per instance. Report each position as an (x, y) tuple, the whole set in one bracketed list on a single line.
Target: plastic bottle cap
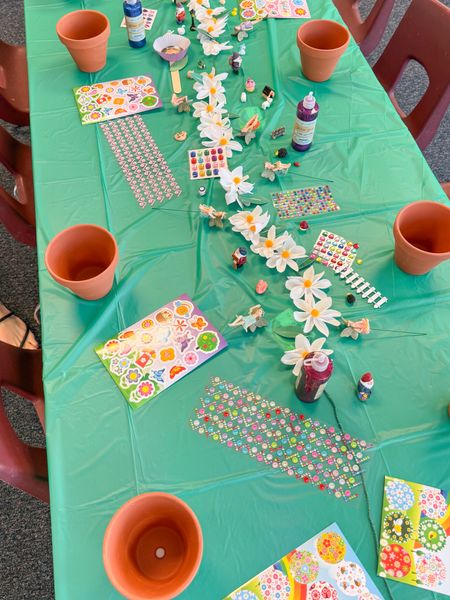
[(309, 101), (131, 1), (366, 377), (320, 361)]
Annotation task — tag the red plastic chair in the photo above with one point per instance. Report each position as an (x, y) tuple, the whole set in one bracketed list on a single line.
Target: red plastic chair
[(446, 188), (21, 465), (14, 104), (423, 35), (369, 32), (17, 215)]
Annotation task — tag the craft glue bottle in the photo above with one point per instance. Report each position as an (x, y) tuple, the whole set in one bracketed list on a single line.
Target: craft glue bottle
[(315, 373), (134, 19), (305, 123)]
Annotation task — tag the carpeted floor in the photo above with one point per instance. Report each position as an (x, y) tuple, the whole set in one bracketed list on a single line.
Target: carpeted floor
[(25, 541)]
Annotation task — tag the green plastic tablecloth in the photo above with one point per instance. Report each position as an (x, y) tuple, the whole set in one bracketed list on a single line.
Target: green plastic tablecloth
[(100, 452)]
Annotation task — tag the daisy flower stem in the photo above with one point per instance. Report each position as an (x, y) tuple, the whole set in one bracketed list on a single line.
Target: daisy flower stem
[(306, 263)]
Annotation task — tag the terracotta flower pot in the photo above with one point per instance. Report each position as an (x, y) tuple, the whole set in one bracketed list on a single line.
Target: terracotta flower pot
[(321, 44), (85, 34), (422, 236), (152, 547), (83, 259)]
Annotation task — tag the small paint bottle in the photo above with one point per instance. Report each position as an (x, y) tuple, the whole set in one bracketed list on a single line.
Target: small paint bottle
[(134, 20), (365, 386), (305, 123), (316, 371)]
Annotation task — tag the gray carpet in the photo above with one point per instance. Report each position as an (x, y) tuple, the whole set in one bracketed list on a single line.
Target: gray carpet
[(25, 542)]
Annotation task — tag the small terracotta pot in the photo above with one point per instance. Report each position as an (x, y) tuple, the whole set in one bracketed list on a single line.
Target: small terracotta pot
[(152, 547), (422, 236), (321, 44), (85, 34), (83, 259)]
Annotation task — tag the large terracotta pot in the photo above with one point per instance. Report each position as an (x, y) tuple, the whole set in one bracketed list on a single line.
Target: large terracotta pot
[(83, 259), (85, 34), (152, 547), (321, 44), (422, 236)]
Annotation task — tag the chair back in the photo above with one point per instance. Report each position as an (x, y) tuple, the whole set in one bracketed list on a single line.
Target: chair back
[(21, 371), (14, 103)]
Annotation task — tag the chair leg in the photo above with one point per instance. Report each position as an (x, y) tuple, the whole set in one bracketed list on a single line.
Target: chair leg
[(22, 466)]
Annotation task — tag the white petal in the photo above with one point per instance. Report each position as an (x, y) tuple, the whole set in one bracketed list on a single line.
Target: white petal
[(300, 316), (297, 368), (291, 263), (321, 326), (309, 324)]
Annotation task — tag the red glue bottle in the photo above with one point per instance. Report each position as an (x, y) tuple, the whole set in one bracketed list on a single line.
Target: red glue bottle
[(316, 371), (305, 123)]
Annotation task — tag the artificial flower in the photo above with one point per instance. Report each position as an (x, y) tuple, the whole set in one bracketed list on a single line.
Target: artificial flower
[(205, 108), (223, 137), (234, 183), (203, 13), (212, 47), (316, 314), (355, 328), (266, 246), (210, 119), (285, 256), (308, 285), (302, 348), (196, 4), (210, 88), (213, 27), (250, 223)]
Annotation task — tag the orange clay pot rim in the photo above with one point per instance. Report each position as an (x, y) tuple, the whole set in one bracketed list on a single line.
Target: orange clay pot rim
[(82, 282), (124, 508), (89, 39), (324, 50), (398, 233)]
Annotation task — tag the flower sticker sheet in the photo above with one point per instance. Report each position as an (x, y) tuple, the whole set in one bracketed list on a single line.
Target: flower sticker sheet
[(118, 98), (415, 530), (323, 567), (157, 351), (255, 10)]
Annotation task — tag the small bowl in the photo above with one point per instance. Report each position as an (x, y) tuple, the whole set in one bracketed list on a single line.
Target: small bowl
[(177, 44)]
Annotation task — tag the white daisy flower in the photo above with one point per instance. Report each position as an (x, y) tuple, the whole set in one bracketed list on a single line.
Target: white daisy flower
[(250, 223), (234, 183), (195, 4), (212, 89), (223, 138), (212, 47), (302, 348), (204, 108), (285, 256), (266, 246), (213, 27), (203, 13), (316, 314), (308, 285), (210, 119)]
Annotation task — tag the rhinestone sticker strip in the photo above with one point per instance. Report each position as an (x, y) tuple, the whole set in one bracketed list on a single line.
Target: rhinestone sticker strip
[(300, 447), (140, 160), (304, 201), (333, 251)]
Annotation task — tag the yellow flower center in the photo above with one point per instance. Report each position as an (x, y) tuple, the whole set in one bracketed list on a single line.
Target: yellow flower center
[(223, 141), (268, 244), (210, 29), (209, 11), (249, 218), (237, 180), (209, 108), (314, 312), (304, 353), (307, 283), (213, 91), (252, 228), (286, 254)]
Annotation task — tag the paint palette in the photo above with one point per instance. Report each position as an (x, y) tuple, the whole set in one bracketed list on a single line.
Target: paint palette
[(333, 251), (304, 201), (205, 163)]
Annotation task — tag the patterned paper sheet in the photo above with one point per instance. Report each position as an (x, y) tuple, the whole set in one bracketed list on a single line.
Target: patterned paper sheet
[(149, 18), (254, 10), (323, 567), (157, 351), (415, 535), (118, 98)]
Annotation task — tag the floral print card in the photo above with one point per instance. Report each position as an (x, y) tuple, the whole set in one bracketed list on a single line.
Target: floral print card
[(323, 567), (118, 98), (415, 530), (255, 10), (157, 351)]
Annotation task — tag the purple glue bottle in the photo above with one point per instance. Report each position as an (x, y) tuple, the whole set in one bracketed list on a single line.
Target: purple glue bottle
[(305, 123), (316, 371)]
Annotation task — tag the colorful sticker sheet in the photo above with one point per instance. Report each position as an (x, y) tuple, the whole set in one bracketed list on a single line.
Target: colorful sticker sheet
[(415, 535), (149, 18), (323, 567), (157, 351), (141, 161), (204, 163), (118, 98), (333, 250), (299, 447), (255, 10), (304, 201)]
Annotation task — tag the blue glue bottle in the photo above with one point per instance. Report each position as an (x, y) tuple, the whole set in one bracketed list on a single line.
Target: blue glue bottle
[(134, 19), (305, 123)]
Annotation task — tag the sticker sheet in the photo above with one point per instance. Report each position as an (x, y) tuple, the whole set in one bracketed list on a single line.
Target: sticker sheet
[(333, 251), (304, 201), (157, 351), (205, 163), (149, 18), (118, 98), (255, 10), (415, 535), (323, 567)]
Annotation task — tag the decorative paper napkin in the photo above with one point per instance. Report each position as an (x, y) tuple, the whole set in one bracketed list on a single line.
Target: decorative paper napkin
[(117, 98), (415, 530), (323, 567), (157, 351)]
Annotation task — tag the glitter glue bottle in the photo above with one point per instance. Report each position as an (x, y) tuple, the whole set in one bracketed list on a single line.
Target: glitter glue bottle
[(134, 19), (365, 386), (305, 123), (314, 376)]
